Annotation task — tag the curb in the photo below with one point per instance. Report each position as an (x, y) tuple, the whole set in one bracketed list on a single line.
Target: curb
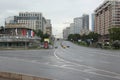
[(15, 76)]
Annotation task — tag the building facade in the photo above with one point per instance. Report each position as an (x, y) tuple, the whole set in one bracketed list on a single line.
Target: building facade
[(17, 37), (85, 21), (66, 33), (107, 16), (72, 28), (78, 23), (93, 22), (32, 20), (48, 28)]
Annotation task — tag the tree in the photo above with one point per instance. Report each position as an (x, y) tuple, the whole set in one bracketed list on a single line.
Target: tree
[(84, 37), (116, 44), (114, 34), (94, 36), (77, 37), (46, 35), (90, 37), (39, 33), (74, 37), (70, 37)]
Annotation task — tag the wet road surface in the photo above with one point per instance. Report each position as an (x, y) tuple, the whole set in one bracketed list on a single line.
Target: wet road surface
[(73, 63)]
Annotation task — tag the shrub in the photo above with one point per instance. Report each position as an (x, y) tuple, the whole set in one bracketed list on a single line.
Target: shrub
[(116, 44)]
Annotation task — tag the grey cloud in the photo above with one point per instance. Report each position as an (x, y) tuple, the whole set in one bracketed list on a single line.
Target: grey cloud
[(57, 10)]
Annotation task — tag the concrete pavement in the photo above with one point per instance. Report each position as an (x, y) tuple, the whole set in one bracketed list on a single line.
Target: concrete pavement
[(74, 63)]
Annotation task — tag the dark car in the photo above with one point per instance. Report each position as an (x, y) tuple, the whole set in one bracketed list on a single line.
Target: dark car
[(68, 46)]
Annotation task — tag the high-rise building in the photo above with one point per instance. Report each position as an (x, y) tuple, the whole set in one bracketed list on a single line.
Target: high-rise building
[(93, 22), (72, 28), (33, 20), (85, 21), (78, 23), (66, 33), (48, 28), (107, 16), (85, 24)]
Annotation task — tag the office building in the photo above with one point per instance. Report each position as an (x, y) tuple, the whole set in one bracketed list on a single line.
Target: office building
[(85, 21), (66, 33), (72, 28), (32, 20), (48, 28), (93, 22), (107, 16), (78, 23)]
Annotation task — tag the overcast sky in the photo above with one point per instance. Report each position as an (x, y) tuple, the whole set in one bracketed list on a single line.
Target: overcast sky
[(61, 12)]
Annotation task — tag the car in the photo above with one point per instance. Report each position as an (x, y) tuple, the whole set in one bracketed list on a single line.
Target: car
[(68, 46), (64, 47), (58, 39), (56, 47)]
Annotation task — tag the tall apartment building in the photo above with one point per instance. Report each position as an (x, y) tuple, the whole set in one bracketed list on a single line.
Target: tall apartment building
[(85, 24), (93, 22), (107, 16), (72, 28), (78, 23), (66, 33), (48, 28), (85, 21), (32, 20)]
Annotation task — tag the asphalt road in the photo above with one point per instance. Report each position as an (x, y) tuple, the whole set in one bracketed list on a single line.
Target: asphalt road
[(73, 63)]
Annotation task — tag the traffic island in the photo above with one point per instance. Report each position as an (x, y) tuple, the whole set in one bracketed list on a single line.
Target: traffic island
[(14, 76)]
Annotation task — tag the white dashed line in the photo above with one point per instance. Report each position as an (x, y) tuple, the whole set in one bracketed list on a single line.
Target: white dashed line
[(88, 71)]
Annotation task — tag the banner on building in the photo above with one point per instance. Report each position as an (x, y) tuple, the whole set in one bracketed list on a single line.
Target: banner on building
[(24, 32), (32, 33)]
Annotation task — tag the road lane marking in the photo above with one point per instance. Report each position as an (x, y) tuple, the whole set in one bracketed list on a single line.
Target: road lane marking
[(61, 59), (97, 53), (90, 72), (65, 67), (52, 65), (104, 62), (118, 77)]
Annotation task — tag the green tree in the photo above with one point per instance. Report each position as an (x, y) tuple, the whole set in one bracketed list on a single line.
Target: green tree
[(39, 33), (94, 36), (84, 37), (70, 37), (74, 37), (46, 35), (114, 34), (77, 37)]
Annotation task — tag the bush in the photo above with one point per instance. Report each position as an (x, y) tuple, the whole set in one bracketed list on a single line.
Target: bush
[(116, 44), (82, 43), (99, 45)]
